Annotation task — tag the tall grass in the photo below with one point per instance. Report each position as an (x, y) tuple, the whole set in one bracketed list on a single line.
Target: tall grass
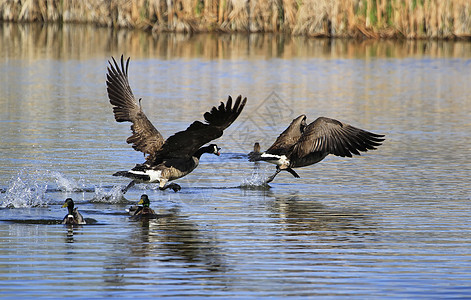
[(330, 18)]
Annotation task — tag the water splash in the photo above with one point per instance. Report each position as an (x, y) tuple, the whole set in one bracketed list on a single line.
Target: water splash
[(29, 188), (66, 184), (256, 181), (25, 191), (115, 195)]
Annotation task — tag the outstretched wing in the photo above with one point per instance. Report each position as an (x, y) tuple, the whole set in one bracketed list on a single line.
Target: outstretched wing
[(334, 137), (145, 138), (289, 137), (187, 142)]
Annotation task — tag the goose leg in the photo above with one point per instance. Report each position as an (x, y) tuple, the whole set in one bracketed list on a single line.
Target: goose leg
[(270, 179), (130, 185), (292, 172)]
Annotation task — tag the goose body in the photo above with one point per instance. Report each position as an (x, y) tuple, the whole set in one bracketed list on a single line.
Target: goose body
[(168, 170), (73, 216), (301, 145), (166, 159)]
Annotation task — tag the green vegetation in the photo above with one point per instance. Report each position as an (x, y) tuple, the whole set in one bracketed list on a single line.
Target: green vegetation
[(332, 18)]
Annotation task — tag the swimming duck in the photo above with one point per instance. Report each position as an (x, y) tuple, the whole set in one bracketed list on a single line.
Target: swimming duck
[(142, 211), (175, 157), (73, 217), (302, 145), (256, 149)]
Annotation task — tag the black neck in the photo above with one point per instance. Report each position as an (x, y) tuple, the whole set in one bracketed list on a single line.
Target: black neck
[(71, 209), (200, 151)]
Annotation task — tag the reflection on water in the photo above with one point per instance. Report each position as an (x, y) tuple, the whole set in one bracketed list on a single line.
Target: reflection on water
[(176, 238), (158, 247), (71, 230), (68, 41), (311, 217), (390, 223)]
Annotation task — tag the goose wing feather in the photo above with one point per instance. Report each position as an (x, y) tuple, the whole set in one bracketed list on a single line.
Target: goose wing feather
[(145, 137), (187, 142), (288, 138), (334, 137)]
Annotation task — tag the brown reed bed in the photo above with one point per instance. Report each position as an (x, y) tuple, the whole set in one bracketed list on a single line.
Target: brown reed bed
[(412, 19)]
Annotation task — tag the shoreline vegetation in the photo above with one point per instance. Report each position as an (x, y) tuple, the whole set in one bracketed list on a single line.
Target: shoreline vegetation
[(371, 19), (77, 41)]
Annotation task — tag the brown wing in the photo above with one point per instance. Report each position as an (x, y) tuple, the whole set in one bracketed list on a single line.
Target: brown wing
[(334, 137), (187, 142), (145, 138), (288, 138)]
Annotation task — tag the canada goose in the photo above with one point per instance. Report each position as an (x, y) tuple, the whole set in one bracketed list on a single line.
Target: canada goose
[(177, 156), (73, 217), (300, 145), (142, 211)]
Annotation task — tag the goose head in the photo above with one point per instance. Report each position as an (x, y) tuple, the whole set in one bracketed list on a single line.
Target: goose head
[(214, 149), (300, 122), (303, 123)]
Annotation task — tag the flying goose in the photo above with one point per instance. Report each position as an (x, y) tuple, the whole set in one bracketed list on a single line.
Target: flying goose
[(175, 157), (73, 217), (302, 145)]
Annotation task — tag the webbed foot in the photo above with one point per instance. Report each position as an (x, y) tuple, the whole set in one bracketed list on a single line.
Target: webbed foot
[(175, 187)]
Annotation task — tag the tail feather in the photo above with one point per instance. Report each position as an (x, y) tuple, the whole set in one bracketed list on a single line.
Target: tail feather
[(254, 156), (140, 177)]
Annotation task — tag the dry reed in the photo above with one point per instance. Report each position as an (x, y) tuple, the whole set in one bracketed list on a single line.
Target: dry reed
[(330, 18)]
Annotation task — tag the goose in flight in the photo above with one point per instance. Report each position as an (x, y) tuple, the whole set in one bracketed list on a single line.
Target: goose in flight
[(302, 145), (176, 156)]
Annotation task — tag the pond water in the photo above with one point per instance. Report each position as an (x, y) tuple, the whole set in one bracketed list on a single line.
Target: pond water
[(392, 223)]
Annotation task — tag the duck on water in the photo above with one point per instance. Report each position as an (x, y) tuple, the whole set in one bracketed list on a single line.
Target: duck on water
[(73, 217), (144, 211), (302, 145), (176, 156)]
